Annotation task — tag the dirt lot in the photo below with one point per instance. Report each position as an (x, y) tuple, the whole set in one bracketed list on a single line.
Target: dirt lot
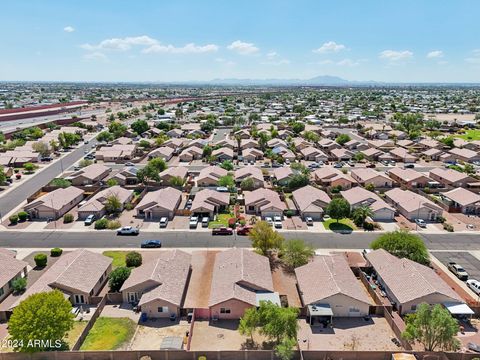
[(198, 292), (284, 282), (222, 335), (348, 334), (149, 335)]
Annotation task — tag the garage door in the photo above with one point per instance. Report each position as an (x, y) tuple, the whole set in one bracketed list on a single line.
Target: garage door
[(314, 215)]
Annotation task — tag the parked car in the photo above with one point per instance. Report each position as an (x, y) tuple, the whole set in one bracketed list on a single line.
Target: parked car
[(269, 220), (408, 166), (421, 223), (337, 165), (243, 230), (474, 285), (309, 221), (473, 347), (151, 244), (193, 222), (371, 165), (163, 222), (76, 168), (222, 189), (205, 221), (129, 163), (47, 158), (188, 205), (222, 231), (89, 220), (458, 271), (85, 142), (277, 221), (128, 230)]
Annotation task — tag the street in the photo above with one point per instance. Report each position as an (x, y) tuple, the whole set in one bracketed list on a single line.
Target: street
[(109, 239)]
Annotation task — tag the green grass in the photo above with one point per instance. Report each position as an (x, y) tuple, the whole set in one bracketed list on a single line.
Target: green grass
[(75, 333), (109, 334), (470, 135), (342, 225), (222, 220), (117, 256)]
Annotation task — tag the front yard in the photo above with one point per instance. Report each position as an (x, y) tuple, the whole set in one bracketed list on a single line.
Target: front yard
[(341, 225), (110, 334), (222, 220), (117, 256), (470, 135)]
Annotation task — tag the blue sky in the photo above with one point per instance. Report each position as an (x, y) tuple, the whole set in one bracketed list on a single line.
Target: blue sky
[(180, 40)]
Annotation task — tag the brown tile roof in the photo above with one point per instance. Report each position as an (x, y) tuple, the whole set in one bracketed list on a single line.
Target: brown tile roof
[(309, 198), (463, 196), (265, 198), (249, 171), (449, 174), (166, 198), (407, 279), (239, 274), (410, 201), (327, 276), (207, 199), (56, 199), (10, 266), (167, 274), (97, 202)]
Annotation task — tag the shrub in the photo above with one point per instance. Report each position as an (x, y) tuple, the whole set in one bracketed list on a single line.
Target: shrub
[(56, 252), (22, 216), (232, 222), (67, 218), (19, 285), (40, 260), (133, 259), (441, 219), (448, 227), (289, 213), (117, 277), (101, 224), (128, 206), (368, 226), (113, 224), (13, 219)]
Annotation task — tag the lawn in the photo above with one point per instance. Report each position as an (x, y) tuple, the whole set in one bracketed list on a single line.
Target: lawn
[(342, 225), (109, 334), (470, 135), (117, 256), (75, 333), (222, 220)]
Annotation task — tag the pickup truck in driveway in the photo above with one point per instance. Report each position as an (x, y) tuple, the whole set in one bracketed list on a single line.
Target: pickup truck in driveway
[(458, 271)]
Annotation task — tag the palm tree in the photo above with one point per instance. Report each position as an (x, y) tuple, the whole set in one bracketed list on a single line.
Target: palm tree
[(360, 214)]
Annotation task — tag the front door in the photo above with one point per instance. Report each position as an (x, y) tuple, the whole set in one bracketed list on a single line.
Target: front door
[(79, 299), (133, 297)]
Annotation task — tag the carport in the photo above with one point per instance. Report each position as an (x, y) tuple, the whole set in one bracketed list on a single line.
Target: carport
[(320, 315), (459, 309)]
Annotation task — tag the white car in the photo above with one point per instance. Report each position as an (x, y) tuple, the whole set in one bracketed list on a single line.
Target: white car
[(193, 222), (129, 164), (474, 285), (309, 221), (277, 221), (163, 222), (421, 223), (128, 230), (269, 220)]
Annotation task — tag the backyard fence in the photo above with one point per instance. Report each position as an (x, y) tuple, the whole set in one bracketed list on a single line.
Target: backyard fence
[(90, 324)]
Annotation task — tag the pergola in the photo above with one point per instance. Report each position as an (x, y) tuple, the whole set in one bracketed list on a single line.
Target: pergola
[(319, 314)]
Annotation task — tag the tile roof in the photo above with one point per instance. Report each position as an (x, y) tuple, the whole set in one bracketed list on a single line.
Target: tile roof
[(309, 198), (10, 266), (166, 198), (56, 199)]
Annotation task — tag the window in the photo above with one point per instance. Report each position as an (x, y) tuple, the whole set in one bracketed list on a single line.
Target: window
[(354, 310), (225, 311), (413, 307), (10, 284), (1, 291), (163, 309)]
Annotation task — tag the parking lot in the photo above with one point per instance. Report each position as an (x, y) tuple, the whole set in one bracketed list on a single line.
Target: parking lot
[(469, 262)]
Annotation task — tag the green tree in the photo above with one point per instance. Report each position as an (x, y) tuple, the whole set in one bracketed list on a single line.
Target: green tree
[(247, 184), (117, 277), (105, 136), (113, 204), (29, 167), (433, 327), (338, 209), (133, 259), (117, 129), (60, 182), (360, 214), (297, 181), (469, 169), (403, 245), (359, 156), (177, 181), (298, 127), (342, 139), (249, 322), (448, 141), (111, 182), (264, 238), (311, 136), (296, 253), (285, 348), (43, 316), (227, 165), (278, 322), (42, 148), (19, 285), (3, 176), (226, 181), (139, 126), (207, 151)]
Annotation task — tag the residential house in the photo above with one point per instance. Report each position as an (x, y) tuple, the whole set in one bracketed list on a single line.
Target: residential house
[(358, 197), (55, 204), (241, 279), (89, 175), (210, 175), (252, 154), (158, 285), (329, 283), (408, 178), (163, 152), (12, 269), (450, 177), (79, 274), (191, 153), (276, 142), (328, 144), (432, 154), (222, 154), (126, 176), (264, 202), (96, 205), (174, 143), (208, 202), (159, 203), (408, 284), (283, 175), (175, 133), (413, 206), (402, 155), (248, 144), (251, 172), (228, 143), (313, 154), (372, 154), (167, 175), (300, 144), (465, 155), (310, 202), (332, 178), (365, 176), (463, 200), (341, 154), (117, 152)]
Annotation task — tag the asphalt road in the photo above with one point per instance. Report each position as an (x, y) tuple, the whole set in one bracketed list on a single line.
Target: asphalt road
[(469, 262), (190, 239), (13, 198)]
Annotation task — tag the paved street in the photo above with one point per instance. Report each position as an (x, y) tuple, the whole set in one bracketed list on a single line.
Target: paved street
[(190, 239), (10, 200)]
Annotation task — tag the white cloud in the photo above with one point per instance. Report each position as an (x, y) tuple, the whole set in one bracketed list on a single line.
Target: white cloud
[(243, 48), (272, 54), (69, 29), (348, 62), (121, 44), (475, 58), (224, 61), (95, 56), (435, 54), (393, 55), (276, 62), (330, 47), (187, 49)]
